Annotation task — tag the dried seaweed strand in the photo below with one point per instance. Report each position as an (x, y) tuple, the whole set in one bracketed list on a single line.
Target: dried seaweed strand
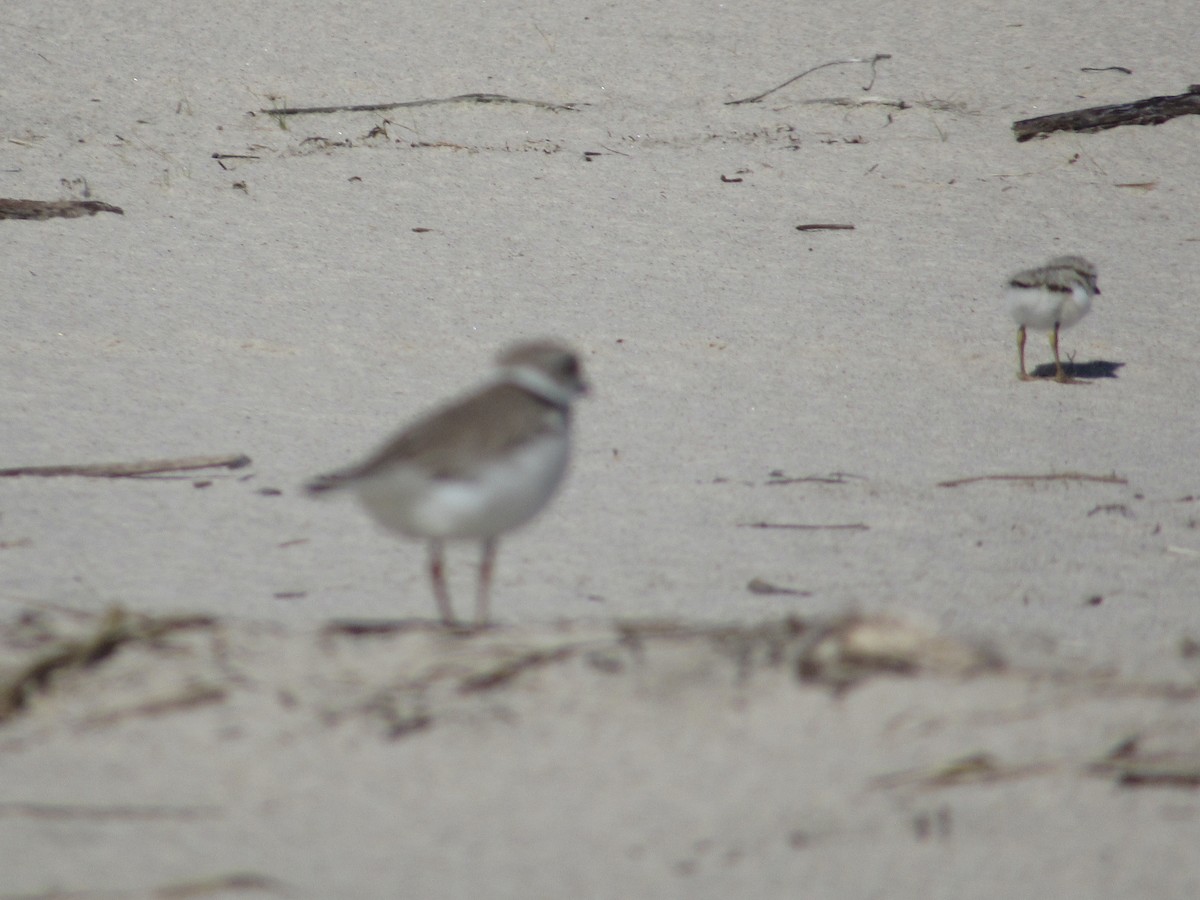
[(11, 208), (871, 61)]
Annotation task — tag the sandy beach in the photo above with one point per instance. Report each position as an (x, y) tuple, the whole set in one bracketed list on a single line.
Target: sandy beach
[(830, 604)]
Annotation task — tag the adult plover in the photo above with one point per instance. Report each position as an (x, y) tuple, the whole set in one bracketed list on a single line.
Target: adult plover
[(478, 467)]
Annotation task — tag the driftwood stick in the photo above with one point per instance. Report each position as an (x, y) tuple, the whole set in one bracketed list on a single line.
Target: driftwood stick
[(134, 469), (1151, 111), (383, 107), (871, 61)]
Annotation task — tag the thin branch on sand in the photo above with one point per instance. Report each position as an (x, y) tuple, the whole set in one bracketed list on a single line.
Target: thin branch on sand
[(133, 469), (403, 104), (824, 227), (1057, 476), (863, 101), (797, 526)]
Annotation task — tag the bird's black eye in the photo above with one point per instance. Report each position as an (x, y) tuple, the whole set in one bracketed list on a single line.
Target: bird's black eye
[(570, 367)]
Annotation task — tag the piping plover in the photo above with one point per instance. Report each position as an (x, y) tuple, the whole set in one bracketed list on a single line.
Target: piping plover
[(1050, 298), (477, 467)]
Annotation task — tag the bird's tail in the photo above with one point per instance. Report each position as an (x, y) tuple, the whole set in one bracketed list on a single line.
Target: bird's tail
[(323, 483)]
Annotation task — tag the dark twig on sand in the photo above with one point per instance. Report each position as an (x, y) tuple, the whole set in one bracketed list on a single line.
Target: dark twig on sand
[(383, 107), (821, 227), (777, 477), (796, 526), (1058, 476), (871, 61), (53, 209), (1151, 111), (134, 469), (873, 101)]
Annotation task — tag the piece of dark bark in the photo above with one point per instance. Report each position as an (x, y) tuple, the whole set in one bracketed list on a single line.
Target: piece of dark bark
[(1151, 111), (53, 209)]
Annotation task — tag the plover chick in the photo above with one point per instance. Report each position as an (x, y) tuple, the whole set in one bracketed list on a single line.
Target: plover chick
[(1050, 298)]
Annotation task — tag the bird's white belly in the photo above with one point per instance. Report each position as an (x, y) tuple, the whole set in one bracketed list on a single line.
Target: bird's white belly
[(1039, 308), (505, 493)]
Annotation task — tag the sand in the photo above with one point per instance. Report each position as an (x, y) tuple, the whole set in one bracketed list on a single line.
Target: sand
[(293, 288)]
